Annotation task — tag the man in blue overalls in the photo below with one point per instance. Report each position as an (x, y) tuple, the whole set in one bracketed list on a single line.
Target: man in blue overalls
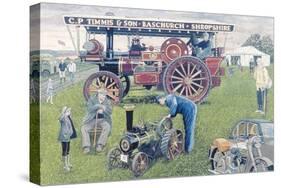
[(188, 109)]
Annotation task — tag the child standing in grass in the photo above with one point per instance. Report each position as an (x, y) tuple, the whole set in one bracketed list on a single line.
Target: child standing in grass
[(50, 91), (66, 133)]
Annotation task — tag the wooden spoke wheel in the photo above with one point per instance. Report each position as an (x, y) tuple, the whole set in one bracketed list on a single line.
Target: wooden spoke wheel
[(126, 84), (104, 80), (114, 159), (140, 163), (173, 48), (189, 77), (172, 144)]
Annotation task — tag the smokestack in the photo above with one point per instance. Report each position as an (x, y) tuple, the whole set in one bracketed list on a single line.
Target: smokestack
[(129, 116)]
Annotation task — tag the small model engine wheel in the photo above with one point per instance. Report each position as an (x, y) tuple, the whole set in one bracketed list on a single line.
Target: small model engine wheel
[(126, 84), (218, 162), (104, 80), (114, 159), (140, 163), (188, 77), (261, 166), (172, 144), (163, 126)]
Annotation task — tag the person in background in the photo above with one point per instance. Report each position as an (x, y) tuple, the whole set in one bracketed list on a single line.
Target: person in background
[(66, 133), (239, 64), (252, 65), (263, 83), (188, 109), (50, 91), (99, 111), (62, 70), (72, 70), (203, 48)]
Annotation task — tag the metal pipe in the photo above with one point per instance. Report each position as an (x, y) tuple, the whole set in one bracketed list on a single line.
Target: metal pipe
[(109, 43), (129, 116), (72, 39), (78, 38)]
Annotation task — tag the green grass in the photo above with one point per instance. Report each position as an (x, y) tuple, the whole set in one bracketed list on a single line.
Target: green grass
[(235, 99)]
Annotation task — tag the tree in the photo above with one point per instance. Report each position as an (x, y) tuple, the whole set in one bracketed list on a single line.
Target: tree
[(262, 43)]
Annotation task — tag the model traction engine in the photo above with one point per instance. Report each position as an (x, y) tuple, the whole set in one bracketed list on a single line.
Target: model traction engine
[(141, 145)]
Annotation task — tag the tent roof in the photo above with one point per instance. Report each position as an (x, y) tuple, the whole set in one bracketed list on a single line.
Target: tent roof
[(245, 50)]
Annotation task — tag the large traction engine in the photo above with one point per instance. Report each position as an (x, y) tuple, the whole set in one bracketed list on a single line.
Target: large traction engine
[(172, 67), (186, 68)]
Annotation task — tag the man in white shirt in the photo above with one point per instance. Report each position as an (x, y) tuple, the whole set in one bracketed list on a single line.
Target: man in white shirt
[(71, 69)]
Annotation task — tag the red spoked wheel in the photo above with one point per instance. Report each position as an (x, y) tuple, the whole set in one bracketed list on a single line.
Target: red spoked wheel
[(189, 77), (104, 80), (173, 48)]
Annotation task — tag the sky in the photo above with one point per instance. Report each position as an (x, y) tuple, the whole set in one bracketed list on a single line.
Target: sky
[(53, 28)]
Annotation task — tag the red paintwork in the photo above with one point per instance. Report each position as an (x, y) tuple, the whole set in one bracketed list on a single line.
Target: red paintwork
[(173, 48), (213, 64), (216, 71), (151, 56), (221, 71), (146, 78), (127, 66), (216, 81), (93, 57)]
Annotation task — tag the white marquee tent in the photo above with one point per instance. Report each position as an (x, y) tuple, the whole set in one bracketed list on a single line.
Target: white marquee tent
[(244, 55)]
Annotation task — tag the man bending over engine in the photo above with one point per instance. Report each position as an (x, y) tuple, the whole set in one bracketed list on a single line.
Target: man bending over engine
[(203, 48), (99, 111), (188, 109)]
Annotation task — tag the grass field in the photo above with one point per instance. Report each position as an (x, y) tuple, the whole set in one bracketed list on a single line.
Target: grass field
[(235, 99)]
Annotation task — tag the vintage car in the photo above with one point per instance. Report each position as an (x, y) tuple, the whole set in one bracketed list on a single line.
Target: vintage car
[(250, 148), (44, 65)]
